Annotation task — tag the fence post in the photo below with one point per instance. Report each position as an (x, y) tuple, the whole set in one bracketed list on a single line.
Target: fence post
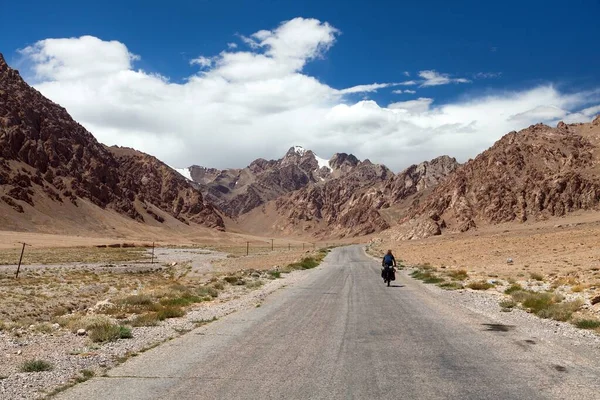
[(20, 259), (302, 246), (271, 244), (247, 247), (289, 246)]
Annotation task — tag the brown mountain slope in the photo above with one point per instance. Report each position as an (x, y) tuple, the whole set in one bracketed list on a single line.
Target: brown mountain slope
[(356, 203), (533, 174), (49, 161)]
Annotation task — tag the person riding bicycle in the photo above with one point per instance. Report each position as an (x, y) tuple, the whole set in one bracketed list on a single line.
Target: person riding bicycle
[(389, 264)]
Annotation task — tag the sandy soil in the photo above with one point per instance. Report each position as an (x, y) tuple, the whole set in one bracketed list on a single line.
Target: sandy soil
[(560, 254)]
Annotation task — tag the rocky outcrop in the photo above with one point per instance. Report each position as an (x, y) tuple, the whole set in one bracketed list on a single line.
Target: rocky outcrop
[(44, 152), (238, 191), (352, 203), (533, 174), (347, 205), (418, 178)]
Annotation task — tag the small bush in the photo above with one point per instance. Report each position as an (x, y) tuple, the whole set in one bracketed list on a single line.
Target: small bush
[(536, 276), (480, 285), (426, 276), (125, 332), (231, 279), (138, 300), (149, 319), (513, 288), (170, 312), (587, 323), (537, 302), (275, 274), (218, 286), (254, 284), (208, 291), (36, 366), (560, 311), (108, 332), (459, 275), (508, 304), (451, 285), (184, 300)]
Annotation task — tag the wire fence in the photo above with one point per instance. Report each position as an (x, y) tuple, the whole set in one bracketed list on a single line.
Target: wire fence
[(146, 252)]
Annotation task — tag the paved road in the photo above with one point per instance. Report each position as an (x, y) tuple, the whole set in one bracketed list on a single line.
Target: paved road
[(340, 334)]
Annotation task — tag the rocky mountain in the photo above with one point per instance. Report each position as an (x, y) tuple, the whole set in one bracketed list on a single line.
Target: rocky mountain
[(533, 174), (357, 202), (47, 157), (237, 191)]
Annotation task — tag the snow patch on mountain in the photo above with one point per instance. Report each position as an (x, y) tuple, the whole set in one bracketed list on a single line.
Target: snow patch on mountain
[(185, 172), (299, 150), (323, 163)]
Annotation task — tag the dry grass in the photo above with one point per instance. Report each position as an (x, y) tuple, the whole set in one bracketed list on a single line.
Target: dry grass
[(480, 285), (47, 256), (547, 305)]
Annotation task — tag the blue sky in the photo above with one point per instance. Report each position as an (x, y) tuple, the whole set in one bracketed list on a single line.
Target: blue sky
[(494, 48)]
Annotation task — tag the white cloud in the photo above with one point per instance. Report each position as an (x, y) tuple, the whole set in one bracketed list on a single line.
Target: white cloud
[(406, 73), (487, 75), (232, 45), (203, 62), (418, 106), (365, 88), (258, 102), (434, 78), (407, 83), (404, 91)]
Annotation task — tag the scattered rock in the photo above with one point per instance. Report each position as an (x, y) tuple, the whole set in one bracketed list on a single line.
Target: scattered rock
[(81, 332)]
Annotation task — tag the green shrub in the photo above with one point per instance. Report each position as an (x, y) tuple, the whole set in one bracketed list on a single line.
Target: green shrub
[(508, 304), (36, 366), (513, 288), (459, 275), (105, 332), (184, 300), (587, 323), (208, 291), (138, 300), (125, 332), (148, 319), (169, 312), (426, 276), (537, 302), (560, 311), (480, 285), (275, 274)]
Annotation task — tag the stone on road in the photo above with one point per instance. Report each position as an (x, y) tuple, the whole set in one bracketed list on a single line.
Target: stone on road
[(342, 334)]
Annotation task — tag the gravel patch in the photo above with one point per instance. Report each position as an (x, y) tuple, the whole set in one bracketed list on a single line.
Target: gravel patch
[(72, 355)]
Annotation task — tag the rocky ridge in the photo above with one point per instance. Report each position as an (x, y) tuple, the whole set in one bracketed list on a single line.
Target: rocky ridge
[(534, 174), (237, 191), (46, 155)]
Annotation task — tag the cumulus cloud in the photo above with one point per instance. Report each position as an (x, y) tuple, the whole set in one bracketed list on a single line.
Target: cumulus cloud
[(366, 88), (203, 62), (258, 101), (434, 78)]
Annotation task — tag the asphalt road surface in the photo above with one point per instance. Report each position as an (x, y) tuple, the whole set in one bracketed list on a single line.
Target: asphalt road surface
[(342, 334)]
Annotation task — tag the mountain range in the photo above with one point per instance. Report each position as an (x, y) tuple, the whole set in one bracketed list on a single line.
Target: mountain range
[(56, 177)]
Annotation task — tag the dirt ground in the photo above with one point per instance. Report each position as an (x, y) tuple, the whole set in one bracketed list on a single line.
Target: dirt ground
[(560, 253)]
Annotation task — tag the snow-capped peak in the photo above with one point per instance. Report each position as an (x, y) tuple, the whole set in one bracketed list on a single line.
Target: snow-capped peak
[(299, 150)]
